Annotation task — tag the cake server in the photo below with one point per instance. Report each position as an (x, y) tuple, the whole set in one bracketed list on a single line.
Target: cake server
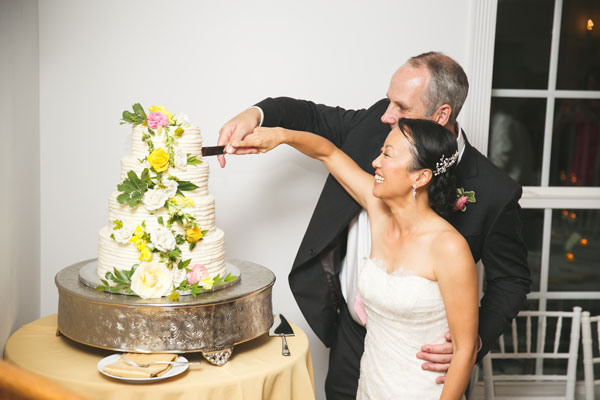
[(213, 150), (281, 327)]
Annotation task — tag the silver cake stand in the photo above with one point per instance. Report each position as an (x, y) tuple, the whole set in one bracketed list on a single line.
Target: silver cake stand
[(212, 323)]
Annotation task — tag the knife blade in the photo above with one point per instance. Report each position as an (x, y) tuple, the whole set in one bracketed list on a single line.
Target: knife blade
[(213, 150)]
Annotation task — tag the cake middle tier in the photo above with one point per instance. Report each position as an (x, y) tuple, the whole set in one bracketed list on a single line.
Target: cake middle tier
[(203, 211)]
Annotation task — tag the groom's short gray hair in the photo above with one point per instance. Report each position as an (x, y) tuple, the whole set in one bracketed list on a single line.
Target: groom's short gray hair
[(448, 83)]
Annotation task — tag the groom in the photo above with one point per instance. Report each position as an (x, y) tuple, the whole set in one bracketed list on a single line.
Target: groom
[(324, 274)]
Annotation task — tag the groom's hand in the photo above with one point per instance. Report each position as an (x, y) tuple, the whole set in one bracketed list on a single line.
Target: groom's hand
[(438, 357), (236, 129)]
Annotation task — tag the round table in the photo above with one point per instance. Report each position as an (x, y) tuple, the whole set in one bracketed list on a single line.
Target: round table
[(256, 370)]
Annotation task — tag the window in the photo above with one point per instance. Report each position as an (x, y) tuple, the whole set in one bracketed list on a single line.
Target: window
[(545, 133)]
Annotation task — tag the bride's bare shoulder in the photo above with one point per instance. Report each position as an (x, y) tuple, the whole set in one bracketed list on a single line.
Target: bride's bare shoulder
[(448, 243)]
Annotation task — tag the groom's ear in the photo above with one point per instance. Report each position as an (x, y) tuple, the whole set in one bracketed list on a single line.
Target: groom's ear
[(442, 114)]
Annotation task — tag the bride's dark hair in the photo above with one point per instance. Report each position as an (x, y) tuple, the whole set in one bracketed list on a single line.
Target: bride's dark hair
[(431, 143)]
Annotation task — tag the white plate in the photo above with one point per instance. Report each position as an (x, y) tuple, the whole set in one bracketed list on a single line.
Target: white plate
[(175, 370)]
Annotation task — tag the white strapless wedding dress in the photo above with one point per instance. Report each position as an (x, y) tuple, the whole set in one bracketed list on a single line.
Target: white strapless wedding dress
[(404, 312)]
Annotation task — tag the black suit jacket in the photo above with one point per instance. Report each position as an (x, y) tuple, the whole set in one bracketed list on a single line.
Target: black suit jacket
[(491, 226)]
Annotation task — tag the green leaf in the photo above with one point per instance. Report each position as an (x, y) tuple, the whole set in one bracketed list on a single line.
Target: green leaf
[(184, 264), (192, 159), (139, 111), (230, 278), (160, 221), (118, 224), (186, 185), (176, 253), (180, 239)]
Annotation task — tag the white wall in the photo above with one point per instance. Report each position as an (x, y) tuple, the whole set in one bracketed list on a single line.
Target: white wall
[(19, 166), (211, 60)]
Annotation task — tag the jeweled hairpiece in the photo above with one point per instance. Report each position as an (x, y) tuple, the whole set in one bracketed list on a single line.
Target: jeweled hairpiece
[(445, 163)]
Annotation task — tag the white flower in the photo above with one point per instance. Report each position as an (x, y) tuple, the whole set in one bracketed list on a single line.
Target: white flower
[(179, 158), (154, 199), (151, 280), (182, 120), (178, 275), (170, 188), (163, 239), (123, 235)]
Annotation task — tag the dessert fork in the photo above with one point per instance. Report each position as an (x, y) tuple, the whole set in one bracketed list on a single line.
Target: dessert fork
[(144, 365)]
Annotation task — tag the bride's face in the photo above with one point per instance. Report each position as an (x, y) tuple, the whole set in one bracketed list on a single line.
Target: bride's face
[(393, 173)]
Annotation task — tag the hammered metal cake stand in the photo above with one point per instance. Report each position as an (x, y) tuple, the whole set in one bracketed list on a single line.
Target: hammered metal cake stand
[(212, 323)]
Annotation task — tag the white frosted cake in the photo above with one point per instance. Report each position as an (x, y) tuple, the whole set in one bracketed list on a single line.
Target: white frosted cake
[(161, 234)]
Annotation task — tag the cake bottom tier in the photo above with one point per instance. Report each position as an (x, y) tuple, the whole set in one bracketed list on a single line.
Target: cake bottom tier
[(210, 252)]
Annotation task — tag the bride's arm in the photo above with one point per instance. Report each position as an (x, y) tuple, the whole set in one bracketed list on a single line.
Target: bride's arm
[(358, 183), (457, 277)]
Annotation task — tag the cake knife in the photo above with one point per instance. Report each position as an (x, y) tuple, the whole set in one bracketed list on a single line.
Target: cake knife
[(213, 150)]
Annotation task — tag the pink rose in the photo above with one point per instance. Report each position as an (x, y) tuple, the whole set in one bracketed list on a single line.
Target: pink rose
[(461, 203), (197, 274), (156, 119)]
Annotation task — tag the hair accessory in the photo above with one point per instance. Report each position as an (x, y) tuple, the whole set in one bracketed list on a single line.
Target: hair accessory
[(414, 190), (445, 163)]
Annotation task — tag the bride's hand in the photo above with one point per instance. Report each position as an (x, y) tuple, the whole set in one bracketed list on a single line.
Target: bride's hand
[(263, 139)]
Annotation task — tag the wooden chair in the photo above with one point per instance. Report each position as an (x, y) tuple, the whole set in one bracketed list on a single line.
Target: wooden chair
[(539, 352), (588, 354), (19, 384)]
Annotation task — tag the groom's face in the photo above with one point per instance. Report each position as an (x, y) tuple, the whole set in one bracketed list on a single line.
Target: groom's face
[(407, 89)]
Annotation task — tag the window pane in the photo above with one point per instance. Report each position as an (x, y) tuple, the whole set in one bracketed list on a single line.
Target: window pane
[(579, 55), (516, 140), (574, 250), (522, 48), (533, 224), (575, 159)]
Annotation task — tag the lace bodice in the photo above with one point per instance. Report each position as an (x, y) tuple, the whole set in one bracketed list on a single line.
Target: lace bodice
[(404, 312)]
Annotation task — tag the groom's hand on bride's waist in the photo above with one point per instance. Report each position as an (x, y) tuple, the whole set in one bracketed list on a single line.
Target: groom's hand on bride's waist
[(438, 356)]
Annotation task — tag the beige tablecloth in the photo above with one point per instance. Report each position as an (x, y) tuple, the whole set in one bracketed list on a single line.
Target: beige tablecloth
[(256, 369)]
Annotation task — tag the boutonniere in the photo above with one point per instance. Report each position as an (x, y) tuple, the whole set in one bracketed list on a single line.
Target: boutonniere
[(462, 198)]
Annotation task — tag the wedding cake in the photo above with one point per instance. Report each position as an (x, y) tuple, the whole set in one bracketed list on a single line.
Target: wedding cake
[(161, 238)]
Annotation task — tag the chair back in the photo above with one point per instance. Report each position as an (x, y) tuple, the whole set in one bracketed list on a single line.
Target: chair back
[(519, 344), (588, 326)]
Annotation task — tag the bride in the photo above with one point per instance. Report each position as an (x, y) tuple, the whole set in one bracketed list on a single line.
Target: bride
[(420, 280)]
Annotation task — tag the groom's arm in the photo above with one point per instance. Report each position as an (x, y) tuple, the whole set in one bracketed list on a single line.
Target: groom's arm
[(507, 277), (333, 123)]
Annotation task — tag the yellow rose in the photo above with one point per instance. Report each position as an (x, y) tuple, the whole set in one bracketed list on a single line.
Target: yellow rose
[(193, 234), (159, 159), (163, 110), (146, 255)]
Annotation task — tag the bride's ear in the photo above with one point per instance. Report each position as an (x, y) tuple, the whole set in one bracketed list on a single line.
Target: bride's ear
[(424, 177)]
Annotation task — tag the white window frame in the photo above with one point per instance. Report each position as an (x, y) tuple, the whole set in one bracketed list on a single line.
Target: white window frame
[(477, 120)]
